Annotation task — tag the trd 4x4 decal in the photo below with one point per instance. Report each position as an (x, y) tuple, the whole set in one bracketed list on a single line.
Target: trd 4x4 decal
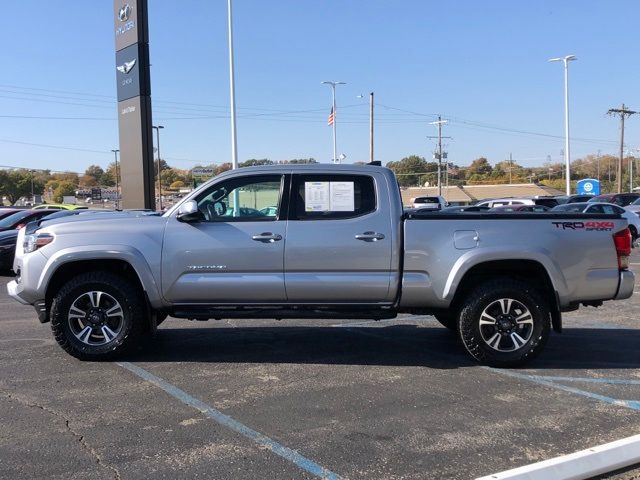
[(588, 226)]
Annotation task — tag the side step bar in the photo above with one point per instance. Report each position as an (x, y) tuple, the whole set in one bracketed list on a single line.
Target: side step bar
[(197, 312)]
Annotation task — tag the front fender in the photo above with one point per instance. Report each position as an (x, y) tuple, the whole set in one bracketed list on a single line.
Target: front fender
[(125, 253)]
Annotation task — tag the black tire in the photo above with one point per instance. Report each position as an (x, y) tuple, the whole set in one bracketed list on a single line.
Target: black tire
[(448, 320), (130, 317), (488, 343), (160, 317), (634, 233)]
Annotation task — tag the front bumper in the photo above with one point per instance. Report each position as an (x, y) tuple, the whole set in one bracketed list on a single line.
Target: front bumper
[(14, 289), (626, 285)]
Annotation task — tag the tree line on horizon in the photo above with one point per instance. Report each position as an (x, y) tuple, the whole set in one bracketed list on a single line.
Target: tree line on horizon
[(411, 171)]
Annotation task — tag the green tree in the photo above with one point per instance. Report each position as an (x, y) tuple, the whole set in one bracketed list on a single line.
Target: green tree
[(18, 183), (169, 176), (253, 162), (409, 170), (96, 172), (480, 166), (177, 185), (302, 161), (65, 188)]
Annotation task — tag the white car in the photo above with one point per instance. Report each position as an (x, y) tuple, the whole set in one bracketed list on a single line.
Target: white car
[(634, 207), (429, 203), (599, 207), (510, 201)]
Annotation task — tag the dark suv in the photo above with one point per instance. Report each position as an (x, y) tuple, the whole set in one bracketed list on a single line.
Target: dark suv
[(621, 199)]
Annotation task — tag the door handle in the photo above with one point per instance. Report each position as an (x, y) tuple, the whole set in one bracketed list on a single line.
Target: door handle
[(370, 236), (267, 237)]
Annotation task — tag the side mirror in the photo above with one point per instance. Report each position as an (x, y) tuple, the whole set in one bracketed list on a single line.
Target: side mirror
[(188, 212)]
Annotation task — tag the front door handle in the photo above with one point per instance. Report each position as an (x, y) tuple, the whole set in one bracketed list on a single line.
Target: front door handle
[(267, 237), (370, 236)]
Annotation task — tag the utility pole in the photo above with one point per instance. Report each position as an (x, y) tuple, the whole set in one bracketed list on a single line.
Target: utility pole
[(439, 124), (598, 163), (510, 167), (622, 112)]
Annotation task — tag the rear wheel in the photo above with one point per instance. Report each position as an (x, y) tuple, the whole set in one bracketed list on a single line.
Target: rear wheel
[(504, 322), (96, 316), (634, 232)]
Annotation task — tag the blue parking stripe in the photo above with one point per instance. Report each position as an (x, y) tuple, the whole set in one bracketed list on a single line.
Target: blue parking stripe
[(632, 404), (216, 415), (610, 381)]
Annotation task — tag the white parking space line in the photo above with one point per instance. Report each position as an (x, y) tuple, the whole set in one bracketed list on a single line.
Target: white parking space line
[(580, 465), (217, 416)]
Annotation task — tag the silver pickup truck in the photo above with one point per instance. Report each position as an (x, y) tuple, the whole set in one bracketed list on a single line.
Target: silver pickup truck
[(320, 241)]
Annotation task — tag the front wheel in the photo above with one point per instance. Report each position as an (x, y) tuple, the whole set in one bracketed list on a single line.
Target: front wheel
[(96, 316), (504, 323)]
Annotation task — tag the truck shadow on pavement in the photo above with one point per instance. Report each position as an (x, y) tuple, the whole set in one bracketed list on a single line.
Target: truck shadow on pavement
[(401, 345)]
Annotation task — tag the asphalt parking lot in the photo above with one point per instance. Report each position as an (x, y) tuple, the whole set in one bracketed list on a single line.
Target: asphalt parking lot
[(246, 399)]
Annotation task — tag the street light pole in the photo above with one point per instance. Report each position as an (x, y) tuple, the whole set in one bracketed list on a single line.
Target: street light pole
[(115, 156), (157, 129), (232, 91), (335, 116), (371, 127), (567, 156)]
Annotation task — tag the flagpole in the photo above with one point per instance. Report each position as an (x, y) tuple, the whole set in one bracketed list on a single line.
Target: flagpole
[(333, 103)]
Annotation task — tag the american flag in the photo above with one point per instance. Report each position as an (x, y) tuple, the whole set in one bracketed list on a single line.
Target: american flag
[(332, 117)]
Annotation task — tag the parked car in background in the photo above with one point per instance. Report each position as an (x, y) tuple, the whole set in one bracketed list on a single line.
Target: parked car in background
[(621, 199), (60, 206), (519, 208), (499, 202), (429, 203), (562, 199), (20, 218), (8, 238), (601, 207), (5, 212), (464, 208), (634, 207)]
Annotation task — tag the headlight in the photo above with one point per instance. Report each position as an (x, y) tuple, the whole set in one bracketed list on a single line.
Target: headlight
[(35, 241)]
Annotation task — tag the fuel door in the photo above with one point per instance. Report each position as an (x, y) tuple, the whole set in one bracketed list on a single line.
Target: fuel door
[(465, 239)]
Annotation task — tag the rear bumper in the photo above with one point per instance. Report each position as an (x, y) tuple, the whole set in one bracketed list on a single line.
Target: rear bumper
[(626, 285)]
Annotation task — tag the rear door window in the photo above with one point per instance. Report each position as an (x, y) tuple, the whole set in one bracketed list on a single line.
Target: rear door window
[(330, 197)]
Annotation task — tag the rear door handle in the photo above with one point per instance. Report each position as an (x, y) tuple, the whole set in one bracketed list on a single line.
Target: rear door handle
[(370, 236), (267, 237)]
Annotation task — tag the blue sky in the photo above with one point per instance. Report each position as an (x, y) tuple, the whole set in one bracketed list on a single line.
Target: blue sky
[(478, 63)]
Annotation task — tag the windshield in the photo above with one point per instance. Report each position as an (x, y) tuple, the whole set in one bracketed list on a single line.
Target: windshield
[(427, 200), (11, 220)]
